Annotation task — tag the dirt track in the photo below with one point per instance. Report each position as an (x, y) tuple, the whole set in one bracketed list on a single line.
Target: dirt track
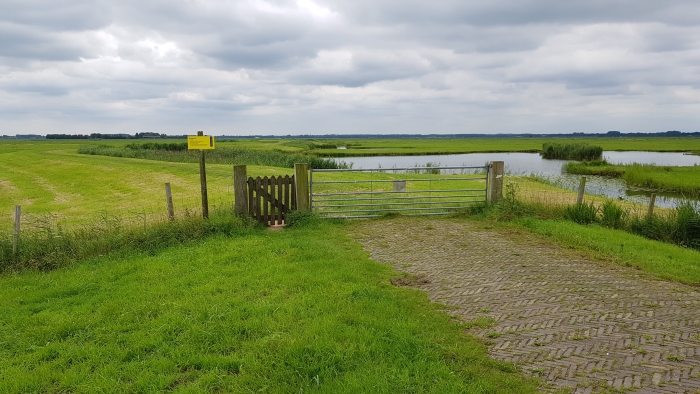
[(572, 321)]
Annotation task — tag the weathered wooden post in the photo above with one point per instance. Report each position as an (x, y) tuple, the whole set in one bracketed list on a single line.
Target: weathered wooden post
[(240, 190), (495, 181), (652, 201), (581, 190), (201, 143), (169, 201), (203, 180), (301, 186), (15, 238)]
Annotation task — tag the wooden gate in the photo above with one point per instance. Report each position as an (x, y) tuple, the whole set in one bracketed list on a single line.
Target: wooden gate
[(269, 199)]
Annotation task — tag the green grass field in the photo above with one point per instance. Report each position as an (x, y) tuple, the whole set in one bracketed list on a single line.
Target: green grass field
[(52, 182), (300, 310), (430, 146)]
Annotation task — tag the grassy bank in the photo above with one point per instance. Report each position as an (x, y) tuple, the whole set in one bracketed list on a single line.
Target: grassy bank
[(684, 180), (612, 241), (299, 310), (53, 248)]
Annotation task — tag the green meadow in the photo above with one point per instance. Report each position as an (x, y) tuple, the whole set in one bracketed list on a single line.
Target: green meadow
[(300, 310), (137, 304), (431, 146), (53, 183)]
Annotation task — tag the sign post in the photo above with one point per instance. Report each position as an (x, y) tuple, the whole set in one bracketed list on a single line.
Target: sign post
[(201, 142)]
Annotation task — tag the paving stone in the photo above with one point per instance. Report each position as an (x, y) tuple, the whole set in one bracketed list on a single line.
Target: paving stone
[(590, 326)]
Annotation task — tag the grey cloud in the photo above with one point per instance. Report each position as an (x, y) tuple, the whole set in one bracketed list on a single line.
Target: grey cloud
[(263, 63), (57, 15), (21, 42), (508, 12)]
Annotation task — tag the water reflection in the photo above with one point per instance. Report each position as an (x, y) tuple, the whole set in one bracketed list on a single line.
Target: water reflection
[(532, 163)]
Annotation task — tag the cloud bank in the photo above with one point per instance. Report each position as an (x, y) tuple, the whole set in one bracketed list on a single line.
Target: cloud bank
[(334, 66)]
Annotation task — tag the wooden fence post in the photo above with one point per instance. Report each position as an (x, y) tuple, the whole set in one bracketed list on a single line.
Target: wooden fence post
[(15, 238), (652, 200), (301, 181), (495, 181), (581, 189), (240, 190), (169, 201), (203, 181)]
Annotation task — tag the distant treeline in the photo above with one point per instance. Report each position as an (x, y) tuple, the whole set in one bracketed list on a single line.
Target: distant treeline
[(672, 133), (108, 136)]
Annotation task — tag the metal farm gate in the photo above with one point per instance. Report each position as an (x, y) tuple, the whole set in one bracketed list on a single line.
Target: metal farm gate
[(415, 191)]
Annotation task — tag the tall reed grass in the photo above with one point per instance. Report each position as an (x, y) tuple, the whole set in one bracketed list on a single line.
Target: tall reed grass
[(571, 151), (177, 152), (55, 248), (680, 226)]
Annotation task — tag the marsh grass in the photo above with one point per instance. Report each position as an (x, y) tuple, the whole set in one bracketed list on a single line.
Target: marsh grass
[(49, 246), (177, 152), (571, 151), (679, 226), (676, 179), (613, 216)]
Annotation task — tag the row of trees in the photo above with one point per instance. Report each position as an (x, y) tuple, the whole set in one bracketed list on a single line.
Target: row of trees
[(107, 136)]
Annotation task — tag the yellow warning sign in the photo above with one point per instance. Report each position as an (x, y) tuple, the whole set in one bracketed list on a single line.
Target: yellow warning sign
[(200, 142)]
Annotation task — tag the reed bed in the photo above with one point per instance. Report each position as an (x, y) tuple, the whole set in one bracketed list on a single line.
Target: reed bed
[(679, 226), (579, 151), (177, 152)]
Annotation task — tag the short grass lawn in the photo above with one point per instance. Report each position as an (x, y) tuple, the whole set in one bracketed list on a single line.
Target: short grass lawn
[(298, 310)]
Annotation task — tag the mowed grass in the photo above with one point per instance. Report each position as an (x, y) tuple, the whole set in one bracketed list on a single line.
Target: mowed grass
[(299, 310), (50, 179)]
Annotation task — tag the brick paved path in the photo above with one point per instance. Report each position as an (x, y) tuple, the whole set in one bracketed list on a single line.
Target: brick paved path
[(574, 322)]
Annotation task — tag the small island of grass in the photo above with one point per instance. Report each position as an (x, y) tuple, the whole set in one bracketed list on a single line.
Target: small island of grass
[(579, 151)]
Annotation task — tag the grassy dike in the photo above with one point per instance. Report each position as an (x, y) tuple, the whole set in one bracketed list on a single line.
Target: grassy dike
[(299, 310)]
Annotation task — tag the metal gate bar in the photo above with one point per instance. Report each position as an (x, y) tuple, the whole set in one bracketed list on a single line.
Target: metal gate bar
[(366, 200)]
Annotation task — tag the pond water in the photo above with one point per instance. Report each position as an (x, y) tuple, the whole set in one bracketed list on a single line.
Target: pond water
[(532, 163)]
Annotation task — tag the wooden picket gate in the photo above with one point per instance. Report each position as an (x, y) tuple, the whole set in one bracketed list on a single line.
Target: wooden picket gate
[(269, 199)]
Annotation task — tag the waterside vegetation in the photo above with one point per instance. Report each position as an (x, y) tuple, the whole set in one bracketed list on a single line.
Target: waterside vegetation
[(679, 226), (177, 152), (580, 151), (683, 180)]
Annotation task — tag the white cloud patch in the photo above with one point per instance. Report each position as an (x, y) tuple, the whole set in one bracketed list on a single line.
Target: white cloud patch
[(339, 66)]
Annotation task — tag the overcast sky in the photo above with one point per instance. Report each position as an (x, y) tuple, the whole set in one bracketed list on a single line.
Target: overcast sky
[(349, 66)]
